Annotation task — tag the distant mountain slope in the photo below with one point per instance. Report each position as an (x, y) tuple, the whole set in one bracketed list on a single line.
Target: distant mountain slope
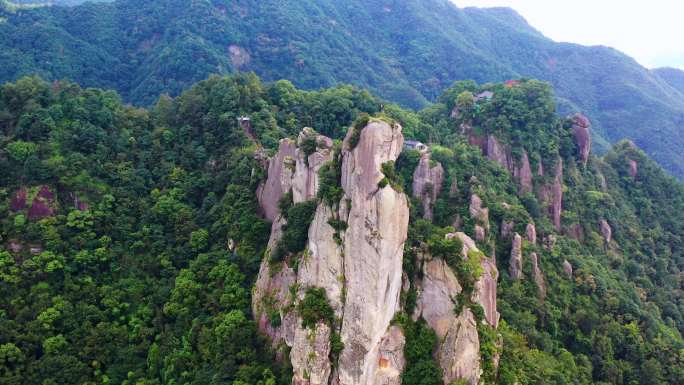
[(407, 51), (673, 76)]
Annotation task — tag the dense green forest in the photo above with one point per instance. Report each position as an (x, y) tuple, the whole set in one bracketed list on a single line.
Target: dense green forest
[(131, 237), (406, 51)]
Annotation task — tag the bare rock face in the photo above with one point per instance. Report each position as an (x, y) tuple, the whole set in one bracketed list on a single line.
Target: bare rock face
[(427, 183), (478, 212), (498, 153), (538, 275), (567, 268), (515, 267), (323, 263), (271, 294), (633, 168), (485, 292), (373, 250), (280, 171), (606, 230), (459, 354), (309, 355), (531, 233), (525, 174), (581, 130), (390, 359), (550, 242), (438, 289)]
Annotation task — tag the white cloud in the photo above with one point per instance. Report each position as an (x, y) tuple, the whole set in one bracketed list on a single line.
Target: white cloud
[(650, 31)]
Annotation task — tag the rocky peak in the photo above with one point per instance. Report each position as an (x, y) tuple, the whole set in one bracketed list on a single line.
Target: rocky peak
[(524, 174), (567, 268), (427, 183), (581, 131), (279, 180), (537, 275)]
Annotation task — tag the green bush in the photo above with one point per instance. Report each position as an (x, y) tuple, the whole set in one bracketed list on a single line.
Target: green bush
[(314, 308)]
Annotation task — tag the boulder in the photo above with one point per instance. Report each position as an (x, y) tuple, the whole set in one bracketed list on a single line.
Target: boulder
[(581, 131), (427, 183), (516, 262)]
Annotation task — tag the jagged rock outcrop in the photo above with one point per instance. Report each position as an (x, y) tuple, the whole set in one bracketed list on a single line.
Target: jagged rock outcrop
[(550, 242), (531, 234), (373, 250), (498, 153), (524, 174), (606, 230), (459, 353), (516, 262), (438, 289), (506, 228), (582, 133), (305, 179), (557, 195), (567, 268), (279, 181), (537, 275), (360, 268), (481, 214), (427, 183)]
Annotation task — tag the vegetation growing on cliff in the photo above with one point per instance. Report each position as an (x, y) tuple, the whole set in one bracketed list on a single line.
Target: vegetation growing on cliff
[(132, 237)]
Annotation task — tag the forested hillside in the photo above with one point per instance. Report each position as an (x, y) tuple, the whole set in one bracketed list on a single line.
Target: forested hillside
[(404, 51), (131, 238)]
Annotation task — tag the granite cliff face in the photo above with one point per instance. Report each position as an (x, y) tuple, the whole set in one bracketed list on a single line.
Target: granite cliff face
[(359, 266)]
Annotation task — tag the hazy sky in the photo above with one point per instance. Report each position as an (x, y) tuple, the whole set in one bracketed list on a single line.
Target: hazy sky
[(651, 31)]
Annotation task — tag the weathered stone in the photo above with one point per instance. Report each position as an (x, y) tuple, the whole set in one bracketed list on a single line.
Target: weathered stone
[(305, 179), (322, 265), (516, 262), (459, 353), (550, 242), (271, 295), (567, 268), (480, 234), (438, 289), (498, 153), (531, 233), (18, 201), (606, 230), (484, 292), (453, 189), (373, 249), (581, 131), (538, 276), (309, 355), (427, 183), (279, 181), (525, 174), (390, 361), (478, 212)]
